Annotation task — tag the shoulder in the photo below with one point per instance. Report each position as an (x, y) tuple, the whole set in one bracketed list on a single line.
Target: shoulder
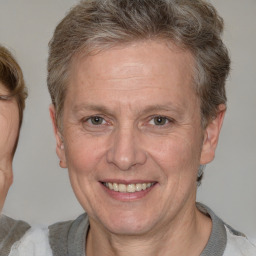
[(224, 240), (238, 244), (60, 239), (58, 236), (11, 232), (34, 243), (68, 238)]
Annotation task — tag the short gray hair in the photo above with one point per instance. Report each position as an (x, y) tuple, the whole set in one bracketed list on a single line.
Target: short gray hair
[(100, 24), (96, 25)]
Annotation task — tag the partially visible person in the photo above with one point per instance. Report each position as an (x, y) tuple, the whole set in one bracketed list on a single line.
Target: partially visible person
[(17, 238), (12, 102)]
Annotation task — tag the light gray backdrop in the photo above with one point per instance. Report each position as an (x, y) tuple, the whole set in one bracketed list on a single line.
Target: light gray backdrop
[(41, 192)]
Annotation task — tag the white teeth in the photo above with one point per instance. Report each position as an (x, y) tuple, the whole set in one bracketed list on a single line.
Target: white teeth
[(115, 186), (121, 188), (110, 186), (138, 187), (130, 188)]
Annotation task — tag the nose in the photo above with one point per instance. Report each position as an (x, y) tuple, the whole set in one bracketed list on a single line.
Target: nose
[(126, 151)]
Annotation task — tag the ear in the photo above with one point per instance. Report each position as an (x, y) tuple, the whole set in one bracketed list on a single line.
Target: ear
[(211, 136), (60, 150)]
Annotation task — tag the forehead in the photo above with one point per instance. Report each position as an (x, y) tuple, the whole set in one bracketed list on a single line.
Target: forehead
[(132, 71)]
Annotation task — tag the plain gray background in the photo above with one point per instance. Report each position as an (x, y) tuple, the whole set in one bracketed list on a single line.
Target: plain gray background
[(41, 192)]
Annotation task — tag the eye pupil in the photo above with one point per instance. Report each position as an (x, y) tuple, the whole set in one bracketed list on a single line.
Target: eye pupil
[(159, 120)]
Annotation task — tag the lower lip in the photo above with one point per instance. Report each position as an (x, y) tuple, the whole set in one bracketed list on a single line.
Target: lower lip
[(127, 196)]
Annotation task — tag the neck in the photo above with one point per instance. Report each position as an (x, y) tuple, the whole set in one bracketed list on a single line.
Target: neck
[(187, 235)]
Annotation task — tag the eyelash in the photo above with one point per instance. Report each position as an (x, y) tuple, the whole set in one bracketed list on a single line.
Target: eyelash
[(5, 97), (166, 120), (89, 121)]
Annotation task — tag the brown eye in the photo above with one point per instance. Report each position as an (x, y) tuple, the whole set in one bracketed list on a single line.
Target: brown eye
[(160, 120)]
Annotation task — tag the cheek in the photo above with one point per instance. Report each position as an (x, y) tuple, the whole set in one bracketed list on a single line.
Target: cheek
[(9, 127), (176, 154), (84, 161), (83, 155)]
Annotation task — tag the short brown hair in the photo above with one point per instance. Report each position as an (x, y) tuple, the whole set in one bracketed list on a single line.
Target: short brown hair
[(11, 77)]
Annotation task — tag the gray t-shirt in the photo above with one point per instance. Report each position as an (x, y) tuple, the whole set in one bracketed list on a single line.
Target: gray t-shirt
[(10, 231)]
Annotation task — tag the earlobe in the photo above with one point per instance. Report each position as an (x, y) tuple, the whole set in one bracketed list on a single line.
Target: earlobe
[(60, 150), (211, 136)]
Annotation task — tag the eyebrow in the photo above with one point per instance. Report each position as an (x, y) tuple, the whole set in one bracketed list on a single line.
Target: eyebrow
[(91, 107), (169, 107), (161, 107)]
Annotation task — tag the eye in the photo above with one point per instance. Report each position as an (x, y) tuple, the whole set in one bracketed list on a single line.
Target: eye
[(5, 97), (96, 120), (159, 120)]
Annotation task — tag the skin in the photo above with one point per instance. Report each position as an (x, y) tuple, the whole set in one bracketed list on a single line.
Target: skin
[(127, 87), (9, 127)]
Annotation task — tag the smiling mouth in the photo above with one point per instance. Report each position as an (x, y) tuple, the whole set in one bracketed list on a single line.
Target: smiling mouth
[(129, 188)]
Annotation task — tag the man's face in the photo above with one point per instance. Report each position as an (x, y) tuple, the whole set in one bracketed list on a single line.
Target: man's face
[(9, 127), (132, 136)]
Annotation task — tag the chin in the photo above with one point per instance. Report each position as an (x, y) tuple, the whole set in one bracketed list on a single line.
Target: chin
[(128, 230), (128, 224)]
